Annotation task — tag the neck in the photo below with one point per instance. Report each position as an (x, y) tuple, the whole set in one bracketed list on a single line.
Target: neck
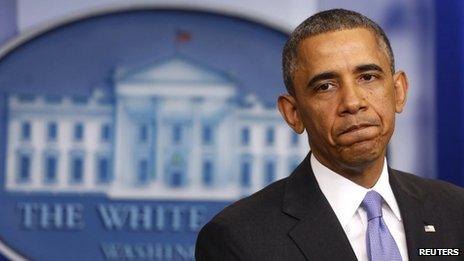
[(364, 174)]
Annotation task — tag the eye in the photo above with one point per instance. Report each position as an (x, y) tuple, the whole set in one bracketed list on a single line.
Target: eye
[(325, 87), (368, 77)]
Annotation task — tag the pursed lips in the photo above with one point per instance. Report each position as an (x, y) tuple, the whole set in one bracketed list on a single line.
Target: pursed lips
[(356, 127)]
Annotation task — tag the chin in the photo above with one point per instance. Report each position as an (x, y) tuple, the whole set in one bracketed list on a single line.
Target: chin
[(362, 153)]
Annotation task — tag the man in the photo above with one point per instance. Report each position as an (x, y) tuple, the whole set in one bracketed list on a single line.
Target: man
[(342, 202)]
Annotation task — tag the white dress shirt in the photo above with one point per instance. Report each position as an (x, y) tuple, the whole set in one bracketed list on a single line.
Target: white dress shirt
[(345, 198)]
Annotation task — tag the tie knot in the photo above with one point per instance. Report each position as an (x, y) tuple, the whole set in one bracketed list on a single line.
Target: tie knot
[(372, 203)]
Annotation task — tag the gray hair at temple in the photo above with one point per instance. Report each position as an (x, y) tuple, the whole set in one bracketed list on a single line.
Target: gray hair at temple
[(324, 22)]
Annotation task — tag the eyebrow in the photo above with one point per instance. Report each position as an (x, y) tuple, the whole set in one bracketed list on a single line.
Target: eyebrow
[(368, 67), (332, 74)]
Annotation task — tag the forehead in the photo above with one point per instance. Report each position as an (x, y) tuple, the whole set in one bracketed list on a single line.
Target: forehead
[(340, 50)]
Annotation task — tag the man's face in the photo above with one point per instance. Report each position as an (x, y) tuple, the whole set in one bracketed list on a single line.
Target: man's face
[(346, 97)]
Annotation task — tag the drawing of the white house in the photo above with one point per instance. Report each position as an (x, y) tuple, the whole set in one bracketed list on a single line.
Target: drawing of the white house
[(175, 129)]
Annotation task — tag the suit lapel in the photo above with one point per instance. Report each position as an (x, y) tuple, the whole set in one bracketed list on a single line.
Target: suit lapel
[(318, 233), (416, 212)]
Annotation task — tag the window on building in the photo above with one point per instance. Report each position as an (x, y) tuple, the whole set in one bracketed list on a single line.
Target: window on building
[(245, 174), (176, 170), (143, 132), (176, 134), (105, 132), (52, 131), (51, 163), (269, 172), (245, 136), (176, 178), (142, 177), (207, 135), (207, 172), (78, 131), (270, 136), (24, 168), (77, 169), (294, 138), (103, 170), (26, 131)]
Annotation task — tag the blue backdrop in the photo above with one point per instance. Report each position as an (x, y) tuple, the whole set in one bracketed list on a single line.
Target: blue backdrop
[(450, 90)]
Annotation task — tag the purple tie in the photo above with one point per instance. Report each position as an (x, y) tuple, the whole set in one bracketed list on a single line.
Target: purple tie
[(379, 242)]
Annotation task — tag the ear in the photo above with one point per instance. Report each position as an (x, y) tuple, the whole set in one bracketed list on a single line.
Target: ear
[(289, 111), (401, 85)]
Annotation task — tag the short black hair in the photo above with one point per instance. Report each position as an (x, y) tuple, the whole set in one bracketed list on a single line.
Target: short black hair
[(324, 22)]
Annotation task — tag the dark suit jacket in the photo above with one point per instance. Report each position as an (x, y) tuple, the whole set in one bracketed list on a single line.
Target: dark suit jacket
[(292, 220)]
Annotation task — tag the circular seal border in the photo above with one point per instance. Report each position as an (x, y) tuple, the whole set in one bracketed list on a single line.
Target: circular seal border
[(26, 36)]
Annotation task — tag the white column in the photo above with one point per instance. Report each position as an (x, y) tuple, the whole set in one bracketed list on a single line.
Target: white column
[(91, 140), (121, 161), (160, 133), (258, 134), (196, 159), (64, 144), (12, 157), (37, 137)]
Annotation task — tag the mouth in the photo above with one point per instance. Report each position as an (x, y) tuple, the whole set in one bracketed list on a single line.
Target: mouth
[(356, 127)]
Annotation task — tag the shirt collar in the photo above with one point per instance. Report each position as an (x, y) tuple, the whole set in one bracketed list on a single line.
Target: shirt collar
[(345, 196)]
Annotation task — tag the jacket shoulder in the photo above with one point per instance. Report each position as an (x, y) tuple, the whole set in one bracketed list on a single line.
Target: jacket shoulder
[(265, 202), (437, 189), (256, 220)]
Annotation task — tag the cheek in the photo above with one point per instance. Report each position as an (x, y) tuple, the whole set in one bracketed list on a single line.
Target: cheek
[(319, 123), (383, 103)]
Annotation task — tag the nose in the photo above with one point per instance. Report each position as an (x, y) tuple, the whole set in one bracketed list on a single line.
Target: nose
[(352, 99)]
